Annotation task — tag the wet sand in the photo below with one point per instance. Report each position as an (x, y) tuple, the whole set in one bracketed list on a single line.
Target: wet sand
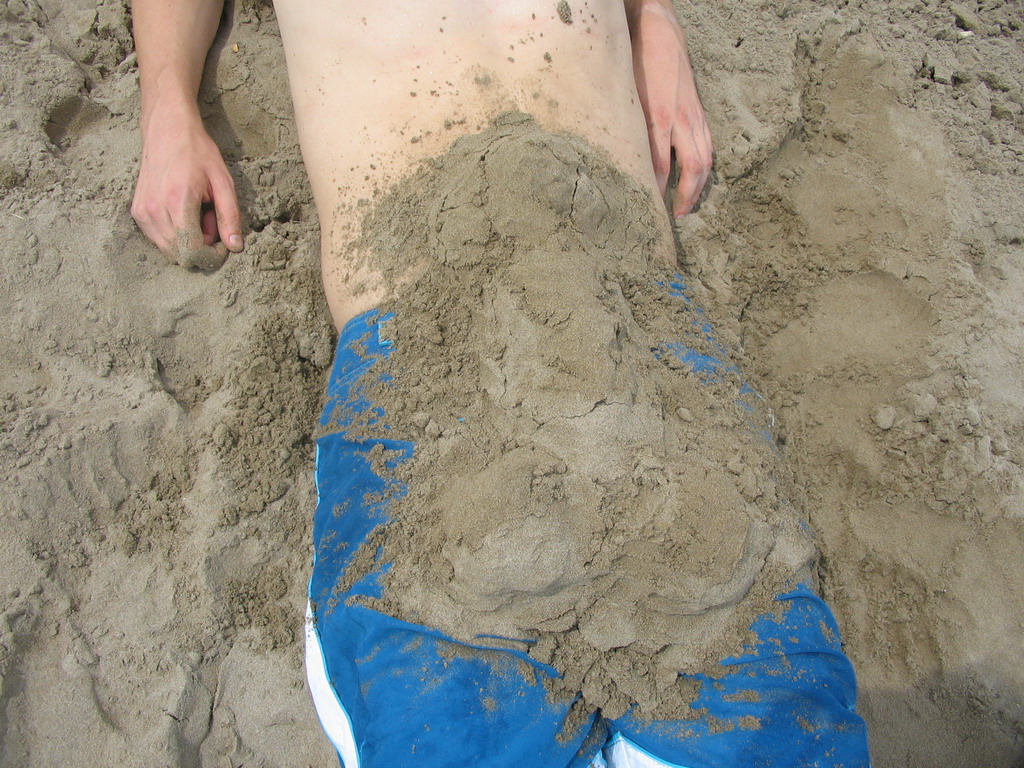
[(579, 489)]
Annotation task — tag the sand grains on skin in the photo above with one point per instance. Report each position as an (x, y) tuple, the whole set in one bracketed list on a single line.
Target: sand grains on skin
[(574, 483)]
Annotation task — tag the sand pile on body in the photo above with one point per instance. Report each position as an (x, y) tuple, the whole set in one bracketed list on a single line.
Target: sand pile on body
[(575, 485)]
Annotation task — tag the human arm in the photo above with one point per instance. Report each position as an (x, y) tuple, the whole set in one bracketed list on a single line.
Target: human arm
[(668, 95), (181, 167)]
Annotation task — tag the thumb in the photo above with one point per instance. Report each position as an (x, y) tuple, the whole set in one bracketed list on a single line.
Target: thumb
[(225, 203)]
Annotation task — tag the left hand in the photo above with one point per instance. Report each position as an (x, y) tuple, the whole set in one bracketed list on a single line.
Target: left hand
[(668, 95)]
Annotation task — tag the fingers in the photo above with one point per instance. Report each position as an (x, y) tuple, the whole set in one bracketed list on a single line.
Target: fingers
[(192, 252), (155, 222), (185, 199), (195, 243), (225, 203), (208, 225), (659, 134), (694, 155), (188, 237)]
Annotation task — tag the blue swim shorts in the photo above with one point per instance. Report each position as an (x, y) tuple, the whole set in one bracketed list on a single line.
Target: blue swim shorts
[(391, 694)]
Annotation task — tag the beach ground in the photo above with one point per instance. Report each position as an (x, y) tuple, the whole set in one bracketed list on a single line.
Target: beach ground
[(861, 246)]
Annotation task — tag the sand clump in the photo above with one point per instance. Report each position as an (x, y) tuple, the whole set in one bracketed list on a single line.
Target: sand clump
[(576, 485)]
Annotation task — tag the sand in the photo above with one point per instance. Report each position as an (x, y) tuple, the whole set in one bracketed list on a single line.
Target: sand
[(860, 248), (576, 489)]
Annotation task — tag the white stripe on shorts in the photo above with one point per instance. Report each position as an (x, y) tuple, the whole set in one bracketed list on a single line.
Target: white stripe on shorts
[(623, 753), (333, 717)]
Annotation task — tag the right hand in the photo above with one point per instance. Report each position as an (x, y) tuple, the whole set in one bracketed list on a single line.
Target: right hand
[(181, 171), (668, 95)]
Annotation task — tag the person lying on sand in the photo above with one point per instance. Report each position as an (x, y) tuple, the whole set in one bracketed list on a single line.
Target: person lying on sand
[(456, 64), (518, 592)]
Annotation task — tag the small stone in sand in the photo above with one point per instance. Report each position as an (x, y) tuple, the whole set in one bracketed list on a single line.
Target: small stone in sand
[(884, 417)]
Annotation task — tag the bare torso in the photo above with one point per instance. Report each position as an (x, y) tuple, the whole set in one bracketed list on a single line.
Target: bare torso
[(377, 87)]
